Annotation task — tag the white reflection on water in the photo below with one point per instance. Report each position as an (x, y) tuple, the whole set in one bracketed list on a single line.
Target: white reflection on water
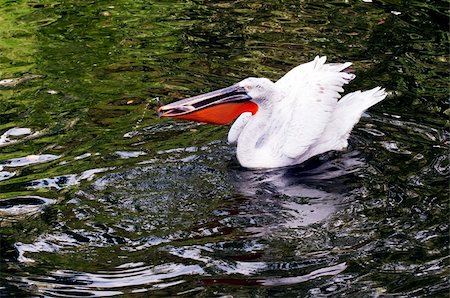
[(4, 175), (225, 267), (23, 161), (327, 271), (82, 156), (29, 160), (16, 134), (301, 196), (65, 283), (14, 209), (301, 215), (45, 243), (60, 182), (129, 154)]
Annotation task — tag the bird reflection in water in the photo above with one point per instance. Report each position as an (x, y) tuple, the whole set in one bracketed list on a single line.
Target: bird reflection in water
[(298, 196)]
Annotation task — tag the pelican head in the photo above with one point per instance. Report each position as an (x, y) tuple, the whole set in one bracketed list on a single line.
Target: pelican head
[(224, 105), (259, 89)]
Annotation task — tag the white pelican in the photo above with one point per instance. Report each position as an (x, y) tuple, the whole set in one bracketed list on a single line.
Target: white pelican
[(283, 123)]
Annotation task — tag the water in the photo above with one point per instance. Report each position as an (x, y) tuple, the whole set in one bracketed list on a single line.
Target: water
[(99, 197)]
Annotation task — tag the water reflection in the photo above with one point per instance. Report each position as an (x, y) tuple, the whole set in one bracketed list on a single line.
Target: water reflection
[(63, 181), (129, 154), (328, 271), (21, 207), (28, 160), (11, 83), (261, 205), (22, 162), (4, 175), (301, 195), (12, 135), (249, 211), (234, 217), (82, 207), (141, 278)]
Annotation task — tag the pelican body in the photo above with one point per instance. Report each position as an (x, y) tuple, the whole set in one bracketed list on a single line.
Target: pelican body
[(287, 122)]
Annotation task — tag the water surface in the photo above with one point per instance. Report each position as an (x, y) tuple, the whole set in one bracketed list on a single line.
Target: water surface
[(99, 197)]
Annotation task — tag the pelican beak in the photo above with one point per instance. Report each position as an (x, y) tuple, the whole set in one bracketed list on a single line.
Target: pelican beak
[(217, 107)]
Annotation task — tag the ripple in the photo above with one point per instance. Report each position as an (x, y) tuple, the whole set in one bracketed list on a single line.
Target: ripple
[(16, 208), (82, 156), (394, 147), (373, 131), (327, 271), (29, 160), (223, 266), (66, 283), (372, 222), (178, 150), (67, 241), (16, 131), (413, 129), (301, 215), (63, 181), (16, 135), (4, 175), (163, 128), (441, 165), (129, 154), (10, 83), (145, 243)]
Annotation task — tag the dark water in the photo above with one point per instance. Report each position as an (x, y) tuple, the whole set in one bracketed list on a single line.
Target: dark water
[(99, 197)]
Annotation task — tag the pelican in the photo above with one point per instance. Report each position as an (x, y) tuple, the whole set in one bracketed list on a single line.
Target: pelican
[(287, 122)]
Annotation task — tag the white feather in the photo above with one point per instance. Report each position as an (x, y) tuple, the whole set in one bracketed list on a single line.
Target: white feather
[(312, 92), (347, 113), (299, 116), (237, 127)]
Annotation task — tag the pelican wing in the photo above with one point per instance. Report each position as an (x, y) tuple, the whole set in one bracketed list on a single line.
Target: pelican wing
[(311, 94)]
